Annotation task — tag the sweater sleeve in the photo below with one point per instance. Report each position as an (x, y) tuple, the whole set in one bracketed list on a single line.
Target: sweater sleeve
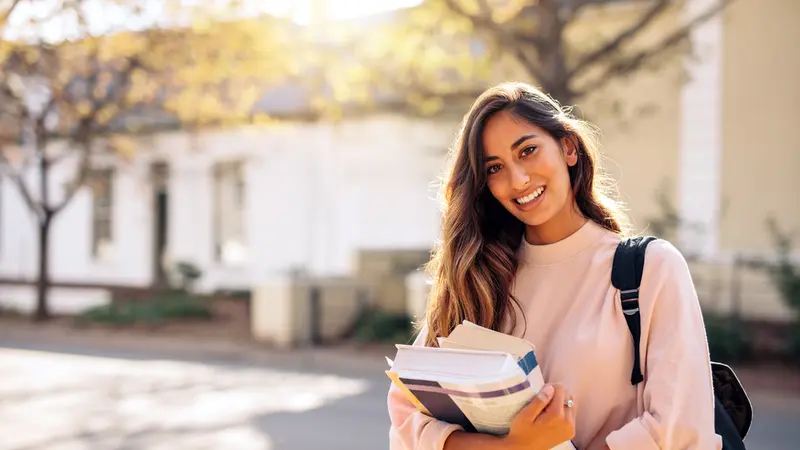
[(411, 429), (677, 395)]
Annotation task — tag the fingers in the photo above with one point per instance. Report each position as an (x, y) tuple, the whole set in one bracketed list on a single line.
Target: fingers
[(569, 411), (556, 407), (538, 404)]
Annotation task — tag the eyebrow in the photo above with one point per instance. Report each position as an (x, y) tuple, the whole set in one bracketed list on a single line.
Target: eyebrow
[(513, 146), (521, 140)]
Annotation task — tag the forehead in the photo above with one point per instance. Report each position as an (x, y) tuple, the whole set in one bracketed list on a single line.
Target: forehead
[(503, 129)]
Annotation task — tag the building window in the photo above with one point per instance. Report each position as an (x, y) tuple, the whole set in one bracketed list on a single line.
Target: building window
[(229, 213), (101, 183)]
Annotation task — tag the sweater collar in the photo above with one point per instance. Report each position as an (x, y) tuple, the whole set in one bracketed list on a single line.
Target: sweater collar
[(567, 248)]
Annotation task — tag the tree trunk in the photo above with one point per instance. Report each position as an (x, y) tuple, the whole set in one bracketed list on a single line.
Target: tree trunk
[(45, 220), (43, 281)]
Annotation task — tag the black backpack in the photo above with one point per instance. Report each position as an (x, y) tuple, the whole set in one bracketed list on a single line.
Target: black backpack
[(733, 413)]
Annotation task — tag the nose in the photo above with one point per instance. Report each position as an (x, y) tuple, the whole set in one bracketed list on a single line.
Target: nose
[(519, 177)]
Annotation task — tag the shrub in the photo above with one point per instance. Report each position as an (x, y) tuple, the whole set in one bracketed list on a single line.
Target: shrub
[(379, 326), (156, 310), (785, 276), (728, 339), (793, 343)]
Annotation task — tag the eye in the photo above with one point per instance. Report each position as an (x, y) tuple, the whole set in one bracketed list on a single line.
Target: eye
[(527, 151), (493, 168)]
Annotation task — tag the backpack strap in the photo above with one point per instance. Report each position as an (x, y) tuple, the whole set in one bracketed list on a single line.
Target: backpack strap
[(626, 276)]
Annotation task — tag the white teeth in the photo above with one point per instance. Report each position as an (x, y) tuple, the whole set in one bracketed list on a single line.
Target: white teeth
[(531, 197)]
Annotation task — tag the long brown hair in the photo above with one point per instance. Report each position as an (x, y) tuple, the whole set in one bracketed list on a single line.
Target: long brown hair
[(474, 265)]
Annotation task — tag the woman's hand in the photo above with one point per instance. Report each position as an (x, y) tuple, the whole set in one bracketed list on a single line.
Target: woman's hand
[(544, 423)]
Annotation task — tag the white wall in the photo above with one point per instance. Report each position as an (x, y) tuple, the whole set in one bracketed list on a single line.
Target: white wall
[(71, 248), (17, 227), (701, 136), (276, 201), (315, 194), (382, 194)]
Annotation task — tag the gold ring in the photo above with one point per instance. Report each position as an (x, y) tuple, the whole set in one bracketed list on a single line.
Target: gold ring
[(568, 403)]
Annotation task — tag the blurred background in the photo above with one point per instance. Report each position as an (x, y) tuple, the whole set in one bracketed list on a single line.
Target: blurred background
[(214, 214)]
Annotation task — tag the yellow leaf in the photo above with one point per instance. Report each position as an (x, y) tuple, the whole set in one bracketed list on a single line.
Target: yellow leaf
[(105, 115), (83, 108), (123, 146), (31, 55)]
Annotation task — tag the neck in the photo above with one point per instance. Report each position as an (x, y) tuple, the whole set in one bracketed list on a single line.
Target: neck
[(563, 225)]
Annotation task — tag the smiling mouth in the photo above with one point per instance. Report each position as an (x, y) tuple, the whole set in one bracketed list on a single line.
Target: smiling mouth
[(530, 197)]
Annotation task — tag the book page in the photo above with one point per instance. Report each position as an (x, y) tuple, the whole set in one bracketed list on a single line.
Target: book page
[(447, 343), (478, 337), (493, 415), (450, 360), (489, 406)]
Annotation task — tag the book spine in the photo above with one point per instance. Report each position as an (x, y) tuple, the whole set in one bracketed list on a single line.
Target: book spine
[(411, 397), (439, 404), (528, 362)]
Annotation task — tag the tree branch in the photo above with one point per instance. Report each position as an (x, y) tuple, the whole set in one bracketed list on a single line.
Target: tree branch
[(16, 177), (514, 40), (485, 21), (575, 6), (9, 96), (632, 63), (7, 13), (48, 108), (80, 179), (611, 46), (88, 127)]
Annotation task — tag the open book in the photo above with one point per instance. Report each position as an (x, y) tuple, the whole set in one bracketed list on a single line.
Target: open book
[(477, 378)]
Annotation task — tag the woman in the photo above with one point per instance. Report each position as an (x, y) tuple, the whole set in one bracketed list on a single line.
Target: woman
[(529, 234)]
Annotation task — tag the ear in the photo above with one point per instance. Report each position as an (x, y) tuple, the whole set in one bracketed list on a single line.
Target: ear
[(570, 150)]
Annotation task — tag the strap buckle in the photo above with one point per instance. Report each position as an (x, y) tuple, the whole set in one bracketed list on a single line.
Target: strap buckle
[(630, 301)]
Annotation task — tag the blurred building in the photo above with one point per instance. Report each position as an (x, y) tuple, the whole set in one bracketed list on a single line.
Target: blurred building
[(338, 199)]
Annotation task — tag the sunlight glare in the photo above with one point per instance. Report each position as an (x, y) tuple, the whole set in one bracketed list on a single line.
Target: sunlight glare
[(305, 11)]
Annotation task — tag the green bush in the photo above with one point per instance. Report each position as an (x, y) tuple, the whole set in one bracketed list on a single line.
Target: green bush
[(785, 276), (728, 340), (156, 310), (379, 326), (111, 314), (793, 344)]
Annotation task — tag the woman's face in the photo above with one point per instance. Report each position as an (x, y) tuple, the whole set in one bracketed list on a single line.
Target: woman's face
[(527, 170)]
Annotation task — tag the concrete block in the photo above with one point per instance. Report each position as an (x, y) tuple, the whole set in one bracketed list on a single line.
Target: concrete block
[(417, 291)]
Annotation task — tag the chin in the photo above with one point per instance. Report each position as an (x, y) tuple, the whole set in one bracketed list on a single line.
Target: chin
[(533, 218), (534, 221)]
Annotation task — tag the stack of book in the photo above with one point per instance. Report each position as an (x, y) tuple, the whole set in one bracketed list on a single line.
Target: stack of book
[(477, 378)]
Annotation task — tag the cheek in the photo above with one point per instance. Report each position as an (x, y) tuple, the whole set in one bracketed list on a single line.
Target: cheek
[(499, 187), (495, 189), (554, 170)]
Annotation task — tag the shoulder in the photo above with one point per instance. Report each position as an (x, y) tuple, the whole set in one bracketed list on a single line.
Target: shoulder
[(662, 255), (661, 258), (666, 272)]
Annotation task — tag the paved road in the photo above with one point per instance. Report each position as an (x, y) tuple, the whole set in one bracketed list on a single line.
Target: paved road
[(57, 398)]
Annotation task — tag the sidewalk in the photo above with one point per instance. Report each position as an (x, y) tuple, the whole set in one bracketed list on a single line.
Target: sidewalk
[(366, 359)]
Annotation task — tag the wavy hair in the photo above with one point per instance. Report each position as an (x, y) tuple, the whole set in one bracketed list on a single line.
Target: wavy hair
[(473, 266)]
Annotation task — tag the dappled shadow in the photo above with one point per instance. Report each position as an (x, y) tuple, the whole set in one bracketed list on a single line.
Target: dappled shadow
[(358, 422), (320, 360), (221, 436), (66, 401)]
